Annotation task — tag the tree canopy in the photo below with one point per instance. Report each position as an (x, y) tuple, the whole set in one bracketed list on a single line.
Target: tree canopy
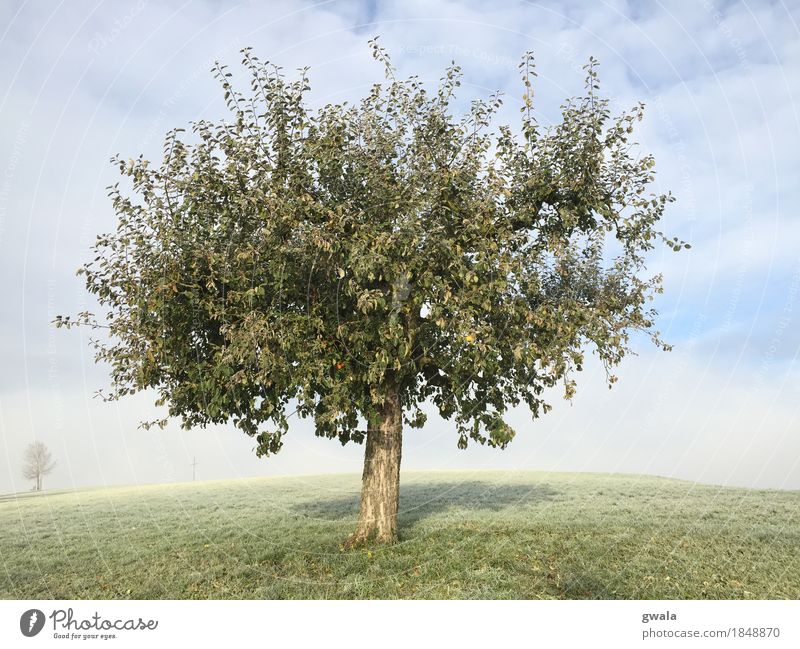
[(291, 260)]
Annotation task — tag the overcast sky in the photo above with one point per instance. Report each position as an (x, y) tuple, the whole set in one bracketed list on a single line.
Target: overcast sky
[(80, 82)]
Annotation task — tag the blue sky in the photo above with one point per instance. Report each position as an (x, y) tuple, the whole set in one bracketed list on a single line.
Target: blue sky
[(720, 80)]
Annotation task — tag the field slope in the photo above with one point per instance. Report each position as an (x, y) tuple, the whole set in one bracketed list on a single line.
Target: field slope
[(464, 535)]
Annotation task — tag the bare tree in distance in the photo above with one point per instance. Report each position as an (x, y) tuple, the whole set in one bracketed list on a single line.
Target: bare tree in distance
[(38, 462)]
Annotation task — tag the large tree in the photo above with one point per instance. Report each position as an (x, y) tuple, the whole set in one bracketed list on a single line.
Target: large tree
[(37, 462), (354, 262)]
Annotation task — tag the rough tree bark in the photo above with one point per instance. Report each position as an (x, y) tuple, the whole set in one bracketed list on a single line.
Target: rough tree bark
[(380, 482)]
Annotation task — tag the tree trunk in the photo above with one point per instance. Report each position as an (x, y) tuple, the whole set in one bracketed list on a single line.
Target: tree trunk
[(380, 482)]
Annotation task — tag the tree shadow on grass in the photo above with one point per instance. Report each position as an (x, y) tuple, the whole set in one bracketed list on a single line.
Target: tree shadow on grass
[(419, 501)]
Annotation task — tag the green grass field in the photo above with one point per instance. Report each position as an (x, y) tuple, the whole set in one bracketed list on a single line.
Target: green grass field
[(463, 535)]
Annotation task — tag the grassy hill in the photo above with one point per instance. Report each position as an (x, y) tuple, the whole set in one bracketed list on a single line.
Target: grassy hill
[(464, 535)]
